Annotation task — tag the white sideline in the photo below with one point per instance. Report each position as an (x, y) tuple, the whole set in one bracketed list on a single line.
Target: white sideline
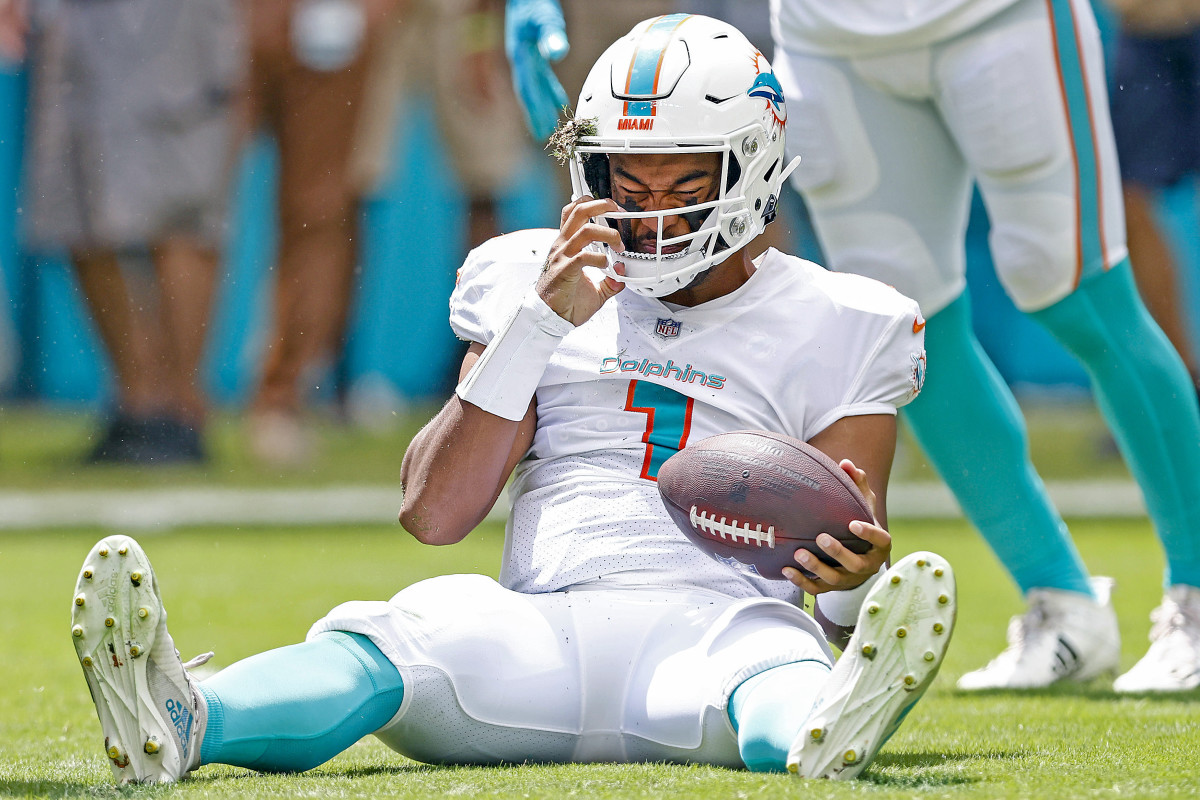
[(174, 507)]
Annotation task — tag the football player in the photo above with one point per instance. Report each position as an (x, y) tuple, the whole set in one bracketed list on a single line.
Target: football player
[(904, 108), (598, 349)]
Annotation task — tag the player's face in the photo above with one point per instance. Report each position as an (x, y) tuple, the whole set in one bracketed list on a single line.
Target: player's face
[(660, 182)]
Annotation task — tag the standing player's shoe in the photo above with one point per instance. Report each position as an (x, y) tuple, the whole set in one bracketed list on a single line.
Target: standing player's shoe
[(898, 644), (152, 717), (1172, 664), (1063, 636)]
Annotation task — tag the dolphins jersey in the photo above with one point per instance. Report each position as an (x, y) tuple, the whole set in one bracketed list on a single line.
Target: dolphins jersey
[(856, 28), (792, 350)]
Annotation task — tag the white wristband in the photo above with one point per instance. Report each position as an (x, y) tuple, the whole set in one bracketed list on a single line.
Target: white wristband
[(841, 608), (505, 377)]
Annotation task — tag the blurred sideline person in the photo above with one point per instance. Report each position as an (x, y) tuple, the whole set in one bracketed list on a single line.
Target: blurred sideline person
[(900, 112), (307, 87), (610, 637), (130, 132), (1156, 120), (478, 123)]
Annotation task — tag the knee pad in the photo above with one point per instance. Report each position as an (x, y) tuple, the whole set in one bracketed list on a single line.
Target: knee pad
[(891, 250), (1034, 248)]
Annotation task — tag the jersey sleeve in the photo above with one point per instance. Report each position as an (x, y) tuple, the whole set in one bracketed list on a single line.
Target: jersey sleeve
[(493, 280), (890, 362)]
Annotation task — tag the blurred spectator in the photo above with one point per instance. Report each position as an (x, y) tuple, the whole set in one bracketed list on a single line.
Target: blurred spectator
[(1156, 119), (478, 122), (127, 158), (308, 77)]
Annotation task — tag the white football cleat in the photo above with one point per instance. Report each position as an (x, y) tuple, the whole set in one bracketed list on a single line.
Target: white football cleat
[(898, 645), (1172, 664), (1063, 636), (152, 717)]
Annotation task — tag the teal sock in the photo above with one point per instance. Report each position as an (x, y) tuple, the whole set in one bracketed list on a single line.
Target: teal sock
[(974, 435), (291, 709), (768, 710), (1148, 400)]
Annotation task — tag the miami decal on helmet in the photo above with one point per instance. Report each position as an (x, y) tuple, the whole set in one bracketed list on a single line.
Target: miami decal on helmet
[(766, 86)]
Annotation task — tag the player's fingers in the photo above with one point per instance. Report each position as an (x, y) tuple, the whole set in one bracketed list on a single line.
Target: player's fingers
[(877, 536), (569, 207), (582, 210), (589, 234), (824, 573), (807, 585), (860, 480), (851, 561)]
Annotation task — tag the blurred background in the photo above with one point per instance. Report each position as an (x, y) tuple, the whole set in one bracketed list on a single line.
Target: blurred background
[(416, 210)]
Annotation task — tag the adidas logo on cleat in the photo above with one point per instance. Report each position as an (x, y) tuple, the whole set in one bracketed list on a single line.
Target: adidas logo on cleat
[(181, 718)]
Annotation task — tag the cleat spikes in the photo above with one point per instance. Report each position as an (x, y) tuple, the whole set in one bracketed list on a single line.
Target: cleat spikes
[(151, 747), (817, 734), (939, 572), (943, 599), (135, 578), (80, 600), (143, 613), (109, 622), (135, 650), (77, 631), (87, 574), (86, 661), (103, 552), (889, 663)]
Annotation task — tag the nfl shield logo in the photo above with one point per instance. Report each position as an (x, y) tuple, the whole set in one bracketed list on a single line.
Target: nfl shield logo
[(668, 328)]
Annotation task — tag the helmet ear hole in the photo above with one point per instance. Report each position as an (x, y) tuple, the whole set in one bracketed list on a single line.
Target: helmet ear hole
[(596, 175), (735, 174)]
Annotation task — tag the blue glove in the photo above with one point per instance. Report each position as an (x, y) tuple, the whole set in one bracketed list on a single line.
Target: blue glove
[(535, 35)]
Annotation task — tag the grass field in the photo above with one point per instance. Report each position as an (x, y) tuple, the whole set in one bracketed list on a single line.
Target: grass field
[(238, 591)]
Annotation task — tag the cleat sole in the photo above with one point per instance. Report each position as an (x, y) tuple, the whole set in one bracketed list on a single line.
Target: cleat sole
[(114, 620), (873, 686)]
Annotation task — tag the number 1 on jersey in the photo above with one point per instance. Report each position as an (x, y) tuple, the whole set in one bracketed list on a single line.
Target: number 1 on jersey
[(668, 422)]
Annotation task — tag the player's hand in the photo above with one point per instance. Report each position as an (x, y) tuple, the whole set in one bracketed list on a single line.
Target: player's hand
[(565, 287), (534, 36), (853, 569)]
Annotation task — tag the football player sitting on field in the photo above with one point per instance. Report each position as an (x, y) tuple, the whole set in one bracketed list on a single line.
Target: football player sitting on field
[(598, 349)]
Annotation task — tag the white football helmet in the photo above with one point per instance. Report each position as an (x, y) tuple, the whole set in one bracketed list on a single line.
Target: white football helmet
[(675, 83)]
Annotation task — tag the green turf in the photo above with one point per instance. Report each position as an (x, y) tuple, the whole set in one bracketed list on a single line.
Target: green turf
[(42, 449), (238, 591)]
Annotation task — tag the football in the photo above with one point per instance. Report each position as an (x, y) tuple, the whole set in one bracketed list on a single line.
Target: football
[(757, 497)]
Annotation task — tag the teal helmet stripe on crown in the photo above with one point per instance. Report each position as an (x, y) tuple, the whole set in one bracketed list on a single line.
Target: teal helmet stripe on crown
[(644, 67)]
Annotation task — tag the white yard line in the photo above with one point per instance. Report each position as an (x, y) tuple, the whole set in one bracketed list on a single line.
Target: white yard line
[(171, 507)]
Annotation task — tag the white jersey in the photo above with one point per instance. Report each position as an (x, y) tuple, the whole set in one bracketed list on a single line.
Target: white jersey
[(857, 28), (792, 350)]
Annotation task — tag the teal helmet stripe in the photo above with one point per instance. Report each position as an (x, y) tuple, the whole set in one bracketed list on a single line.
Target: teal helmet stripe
[(644, 68)]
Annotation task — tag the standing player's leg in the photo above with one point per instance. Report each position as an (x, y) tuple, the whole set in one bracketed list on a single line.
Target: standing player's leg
[(285, 710), (1053, 192), (861, 181)]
